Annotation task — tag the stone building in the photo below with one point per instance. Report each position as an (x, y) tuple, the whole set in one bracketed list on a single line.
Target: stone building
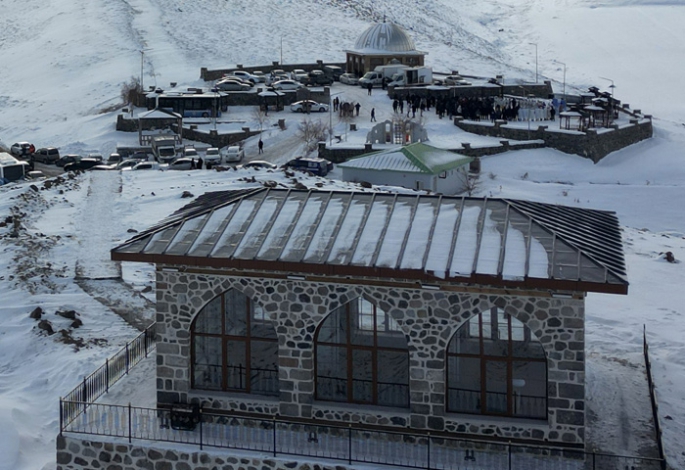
[(451, 315), (382, 44)]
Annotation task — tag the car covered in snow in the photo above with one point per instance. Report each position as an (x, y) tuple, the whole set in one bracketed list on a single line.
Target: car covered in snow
[(260, 165), (233, 154), (308, 106)]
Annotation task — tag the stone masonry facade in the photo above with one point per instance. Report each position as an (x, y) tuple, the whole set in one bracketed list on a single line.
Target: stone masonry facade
[(429, 319), (80, 454)]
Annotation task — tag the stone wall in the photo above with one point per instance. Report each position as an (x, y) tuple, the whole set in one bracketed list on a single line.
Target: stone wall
[(81, 454), (428, 318), (210, 75), (540, 90), (593, 144)]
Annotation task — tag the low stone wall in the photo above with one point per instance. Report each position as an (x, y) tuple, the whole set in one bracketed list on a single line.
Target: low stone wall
[(539, 90), (209, 75), (592, 144), (81, 454)]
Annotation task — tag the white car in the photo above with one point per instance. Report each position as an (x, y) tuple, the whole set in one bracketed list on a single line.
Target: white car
[(260, 165), (287, 85), (182, 163), (212, 157), (455, 80), (146, 166), (308, 106), (260, 76), (298, 74), (349, 79), (233, 154), (232, 85), (246, 76)]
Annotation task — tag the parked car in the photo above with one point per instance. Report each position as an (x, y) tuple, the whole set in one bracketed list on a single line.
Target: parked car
[(212, 157), (298, 74), (261, 78), (145, 166), (287, 85), (35, 175), (82, 164), (260, 165), (317, 78), (126, 164), (190, 152), (233, 154), (349, 79), (455, 80), (236, 79), (246, 76), (231, 85), (46, 155), (315, 166), (308, 106), (113, 159), (22, 149), (182, 163), (66, 159), (96, 156), (333, 71)]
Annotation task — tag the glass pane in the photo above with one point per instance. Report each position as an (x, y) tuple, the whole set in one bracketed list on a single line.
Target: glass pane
[(207, 366), (518, 330), (236, 313), (496, 386), (463, 342), (209, 318), (529, 385), (362, 376), (261, 326), (362, 317), (502, 326), (236, 365), (464, 384), (331, 373), (334, 328), (528, 349), (264, 367), (393, 378)]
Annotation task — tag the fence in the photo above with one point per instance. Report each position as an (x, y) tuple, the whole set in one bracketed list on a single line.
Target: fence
[(349, 444), (652, 396), (99, 382)]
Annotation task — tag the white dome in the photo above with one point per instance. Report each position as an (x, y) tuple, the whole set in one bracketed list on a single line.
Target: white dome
[(386, 37)]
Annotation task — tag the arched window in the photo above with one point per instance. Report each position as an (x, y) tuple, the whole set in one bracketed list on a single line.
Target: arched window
[(362, 357), (494, 367), (234, 347)]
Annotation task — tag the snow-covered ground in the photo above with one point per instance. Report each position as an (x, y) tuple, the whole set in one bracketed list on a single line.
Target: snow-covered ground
[(63, 67)]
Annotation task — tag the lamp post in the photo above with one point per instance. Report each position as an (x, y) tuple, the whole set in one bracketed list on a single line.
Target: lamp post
[(612, 86), (536, 59), (142, 57), (564, 92)]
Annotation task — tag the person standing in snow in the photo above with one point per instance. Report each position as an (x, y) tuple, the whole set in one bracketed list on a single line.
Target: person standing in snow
[(260, 146), (357, 106), (373, 114), (199, 163), (369, 87)]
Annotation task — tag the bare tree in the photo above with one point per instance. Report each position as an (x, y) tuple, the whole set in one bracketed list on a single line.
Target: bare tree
[(470, 182), (312, 132), (259, 115), (130, 91)]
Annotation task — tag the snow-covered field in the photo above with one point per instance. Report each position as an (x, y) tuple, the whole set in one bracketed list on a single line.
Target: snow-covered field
[(63, 67)]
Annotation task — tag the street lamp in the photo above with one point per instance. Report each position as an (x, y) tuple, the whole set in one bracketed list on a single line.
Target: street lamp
[(536, 59), (612, 86), (142, 57), (564, 92)]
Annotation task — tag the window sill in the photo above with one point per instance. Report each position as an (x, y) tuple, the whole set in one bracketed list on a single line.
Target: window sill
[(493, 419)]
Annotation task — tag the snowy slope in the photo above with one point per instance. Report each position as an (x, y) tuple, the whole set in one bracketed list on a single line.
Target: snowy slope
[(63, 67)]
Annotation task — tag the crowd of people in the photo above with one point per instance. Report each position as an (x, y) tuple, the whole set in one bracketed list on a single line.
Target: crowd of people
[(480, 108)]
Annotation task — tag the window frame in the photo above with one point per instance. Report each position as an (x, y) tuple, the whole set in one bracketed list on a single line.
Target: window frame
[(507, 359), (244, 340), (350, 347)]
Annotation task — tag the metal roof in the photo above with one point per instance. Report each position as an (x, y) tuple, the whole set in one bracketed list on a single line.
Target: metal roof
[(414, 158), (384, 38), (500, 242)]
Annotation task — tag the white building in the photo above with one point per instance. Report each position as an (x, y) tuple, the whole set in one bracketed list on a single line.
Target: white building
[(415, 166)]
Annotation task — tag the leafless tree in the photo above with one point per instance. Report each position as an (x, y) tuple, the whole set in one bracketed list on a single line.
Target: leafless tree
[(259, 115), (470, 182), (130, 91), (312, 132)]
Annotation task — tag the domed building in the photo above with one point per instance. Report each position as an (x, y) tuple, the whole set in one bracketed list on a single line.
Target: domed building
[(382, 44)]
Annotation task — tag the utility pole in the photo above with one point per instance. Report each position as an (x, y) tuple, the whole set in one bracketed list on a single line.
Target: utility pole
[(142, 57)]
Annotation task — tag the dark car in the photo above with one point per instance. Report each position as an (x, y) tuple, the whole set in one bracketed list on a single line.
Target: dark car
[(315, 166), (66, 159), (46, 155), (317, 78), (82, 164)]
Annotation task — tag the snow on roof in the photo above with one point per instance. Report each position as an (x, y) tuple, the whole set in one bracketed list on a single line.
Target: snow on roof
[(400, 236), (385, 37), (414, 158)]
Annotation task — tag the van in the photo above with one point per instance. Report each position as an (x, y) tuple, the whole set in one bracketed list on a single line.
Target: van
[(315, 166)]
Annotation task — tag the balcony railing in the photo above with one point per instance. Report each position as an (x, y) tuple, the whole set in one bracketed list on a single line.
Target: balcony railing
[(349, 444)]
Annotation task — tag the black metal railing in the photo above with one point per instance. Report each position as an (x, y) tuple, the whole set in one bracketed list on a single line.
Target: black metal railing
[(98, 383), (388, 393), (652, 396), (342, 443), (469, 401)]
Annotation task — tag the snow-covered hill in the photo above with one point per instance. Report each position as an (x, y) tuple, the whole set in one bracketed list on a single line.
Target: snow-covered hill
[(63, 65)]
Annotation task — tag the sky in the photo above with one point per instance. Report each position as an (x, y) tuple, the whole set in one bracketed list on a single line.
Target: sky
[(66, 63)]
